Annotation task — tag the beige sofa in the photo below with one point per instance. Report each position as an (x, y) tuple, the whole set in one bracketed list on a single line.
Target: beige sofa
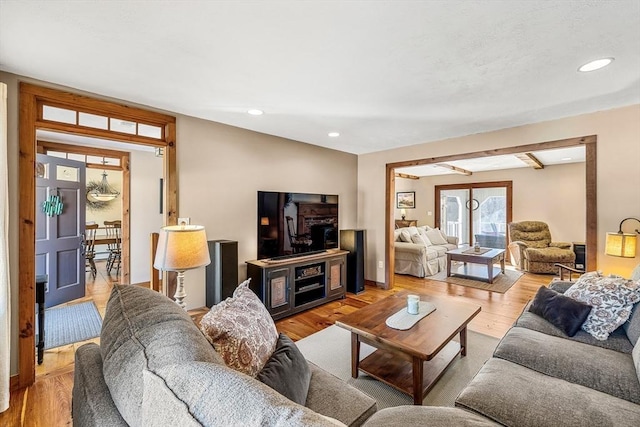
[(421, 256)]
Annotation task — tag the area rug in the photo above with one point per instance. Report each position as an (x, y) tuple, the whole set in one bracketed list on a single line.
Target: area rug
[(330, 349), (501, 284), (71, 323)]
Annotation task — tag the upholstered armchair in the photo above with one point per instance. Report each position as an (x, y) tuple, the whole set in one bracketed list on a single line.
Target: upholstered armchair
[(532, 250)]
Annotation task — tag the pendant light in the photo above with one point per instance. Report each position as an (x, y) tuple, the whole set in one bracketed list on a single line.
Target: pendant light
[(104, 192)]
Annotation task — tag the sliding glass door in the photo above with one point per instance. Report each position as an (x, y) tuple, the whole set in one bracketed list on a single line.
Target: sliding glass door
[(475, 212)]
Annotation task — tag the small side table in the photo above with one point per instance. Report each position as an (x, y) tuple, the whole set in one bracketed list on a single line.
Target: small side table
[(41, 284)]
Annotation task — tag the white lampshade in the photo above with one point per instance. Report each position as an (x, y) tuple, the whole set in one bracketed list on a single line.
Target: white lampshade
[(403, 212), (621, 244), (182, 247)]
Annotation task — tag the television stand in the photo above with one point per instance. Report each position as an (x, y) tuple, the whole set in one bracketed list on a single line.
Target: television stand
[(290, 285)]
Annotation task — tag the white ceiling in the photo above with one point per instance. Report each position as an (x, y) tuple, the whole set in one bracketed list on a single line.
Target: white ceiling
[(382, 73)]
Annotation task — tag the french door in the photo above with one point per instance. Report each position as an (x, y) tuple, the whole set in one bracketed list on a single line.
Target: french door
[(475, 212)]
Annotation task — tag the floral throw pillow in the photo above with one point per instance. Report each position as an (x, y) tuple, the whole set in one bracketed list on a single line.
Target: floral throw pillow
[(611, 297), (241, 330)]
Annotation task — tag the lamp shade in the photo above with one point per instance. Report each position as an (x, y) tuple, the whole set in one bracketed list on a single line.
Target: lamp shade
[(621, 244), (403, 212), (182, 247), (264, 220)]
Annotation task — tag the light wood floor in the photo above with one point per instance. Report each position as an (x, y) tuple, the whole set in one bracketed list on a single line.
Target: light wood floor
[(48, 401)]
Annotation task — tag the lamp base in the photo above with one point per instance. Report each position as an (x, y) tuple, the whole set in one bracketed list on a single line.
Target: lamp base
[(180, 293)]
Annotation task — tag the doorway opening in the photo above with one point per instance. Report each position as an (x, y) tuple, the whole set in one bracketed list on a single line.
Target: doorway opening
[(588, 142), (64, 112)]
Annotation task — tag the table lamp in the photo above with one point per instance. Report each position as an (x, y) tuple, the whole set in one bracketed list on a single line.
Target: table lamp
[(622, 244), (403, 213), (181, 248)]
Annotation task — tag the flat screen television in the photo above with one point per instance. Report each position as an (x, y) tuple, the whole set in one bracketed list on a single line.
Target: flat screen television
[(296, 223)]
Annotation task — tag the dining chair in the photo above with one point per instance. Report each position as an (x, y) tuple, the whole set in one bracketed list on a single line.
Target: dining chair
[(113, 231), (89, 246)]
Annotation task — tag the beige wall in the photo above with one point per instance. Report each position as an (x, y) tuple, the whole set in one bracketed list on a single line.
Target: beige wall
[(144, 208), (220, 170), (540, 195), (618, 175)]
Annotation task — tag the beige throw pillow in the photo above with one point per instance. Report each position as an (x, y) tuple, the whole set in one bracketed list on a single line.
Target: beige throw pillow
[(435, 237), (241, 330)]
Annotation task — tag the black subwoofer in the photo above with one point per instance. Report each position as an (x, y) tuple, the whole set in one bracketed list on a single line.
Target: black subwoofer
[(222, 274), (353, 241)]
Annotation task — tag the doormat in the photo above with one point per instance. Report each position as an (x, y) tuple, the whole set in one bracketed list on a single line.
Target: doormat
[(70, 324), (501, 283)]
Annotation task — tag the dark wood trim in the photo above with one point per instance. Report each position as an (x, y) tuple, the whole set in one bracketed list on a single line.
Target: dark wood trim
[(590, 143), (470, 186), (591, 172), (14, 383), (30, 119), (389, 226)]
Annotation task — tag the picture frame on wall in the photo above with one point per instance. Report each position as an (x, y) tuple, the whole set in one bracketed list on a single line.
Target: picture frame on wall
[(406, 200)]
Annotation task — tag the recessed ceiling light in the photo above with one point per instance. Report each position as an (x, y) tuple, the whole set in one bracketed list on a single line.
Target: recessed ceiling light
[(595, 65), (334, 134), (255, 112), (566, 158)]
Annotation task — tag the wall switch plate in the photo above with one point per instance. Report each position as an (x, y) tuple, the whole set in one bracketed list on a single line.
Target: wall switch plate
[(184, 221), (380, 264), (429, 213)]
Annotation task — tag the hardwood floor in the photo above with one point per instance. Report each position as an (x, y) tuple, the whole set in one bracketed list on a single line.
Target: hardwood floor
[(48, 401)]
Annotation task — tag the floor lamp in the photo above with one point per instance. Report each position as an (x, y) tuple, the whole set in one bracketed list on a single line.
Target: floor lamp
[(181, 248)]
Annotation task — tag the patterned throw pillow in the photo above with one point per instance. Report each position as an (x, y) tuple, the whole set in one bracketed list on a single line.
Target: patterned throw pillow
[(241, 330), (611, 297)]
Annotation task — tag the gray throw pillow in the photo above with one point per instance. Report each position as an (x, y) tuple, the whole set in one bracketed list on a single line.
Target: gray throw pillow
[(287, 371), (562, 312)]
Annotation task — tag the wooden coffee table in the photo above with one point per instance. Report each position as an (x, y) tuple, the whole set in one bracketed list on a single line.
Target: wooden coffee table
[(489, 258), (411, 361)]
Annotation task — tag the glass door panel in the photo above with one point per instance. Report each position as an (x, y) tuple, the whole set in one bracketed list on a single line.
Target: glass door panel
[(454, 214), (489, 216)]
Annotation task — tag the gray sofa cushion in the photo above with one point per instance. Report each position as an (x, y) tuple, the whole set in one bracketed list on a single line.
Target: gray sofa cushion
[(91, 403), (562, 312), (617, 340), (210, 394), (143, 329), (330, 396), (604, 370), (632, 325), (427, 416), (287, 371), (636, 358), (517, 396)]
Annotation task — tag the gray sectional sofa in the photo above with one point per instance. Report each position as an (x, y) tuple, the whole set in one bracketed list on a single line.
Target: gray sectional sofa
[(155, 368), (538, 376)]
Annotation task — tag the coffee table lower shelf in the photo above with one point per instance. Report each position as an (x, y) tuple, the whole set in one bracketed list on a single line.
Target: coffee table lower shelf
[(397, 372)]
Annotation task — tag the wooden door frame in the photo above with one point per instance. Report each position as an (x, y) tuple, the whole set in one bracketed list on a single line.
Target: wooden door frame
[(590, 144), (508, 185), (32, 97)]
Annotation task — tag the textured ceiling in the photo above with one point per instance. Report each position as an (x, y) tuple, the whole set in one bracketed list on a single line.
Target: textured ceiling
[(382, 73)]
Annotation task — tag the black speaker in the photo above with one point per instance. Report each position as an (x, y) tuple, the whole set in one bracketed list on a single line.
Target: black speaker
[(580, 250), (353, 241), (222, 274)]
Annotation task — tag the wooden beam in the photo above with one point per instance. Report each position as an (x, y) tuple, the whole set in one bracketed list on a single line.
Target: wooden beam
[(406, 176), (455, 169), (530, 160)]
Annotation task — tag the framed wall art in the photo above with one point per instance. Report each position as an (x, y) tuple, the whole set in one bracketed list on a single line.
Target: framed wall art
[(406, 200)]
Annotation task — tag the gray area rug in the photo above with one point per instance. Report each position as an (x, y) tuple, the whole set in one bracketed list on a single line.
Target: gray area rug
[(71, 323), (330, 349), (501, 284)]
